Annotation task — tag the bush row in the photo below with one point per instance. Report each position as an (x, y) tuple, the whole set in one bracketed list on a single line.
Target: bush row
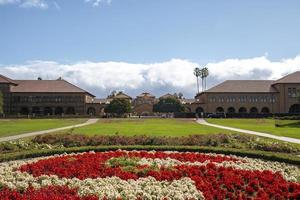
[(280, 157), (238, 141)]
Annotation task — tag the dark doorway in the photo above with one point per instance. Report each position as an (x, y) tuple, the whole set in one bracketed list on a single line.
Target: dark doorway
[(231, 110), (295, 109), (243, 110), (70, 111), (91, 111), (48, 111), (59, 111), (24, 111), (265, 110), (253, 110)]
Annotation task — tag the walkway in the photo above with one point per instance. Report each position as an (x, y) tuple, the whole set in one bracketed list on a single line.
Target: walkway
[(24, 135), (285, 139)]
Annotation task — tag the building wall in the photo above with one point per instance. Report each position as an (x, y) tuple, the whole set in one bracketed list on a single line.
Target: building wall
[(143, 109), (5, 89), (211, 101), (48, 103), (287, 96)]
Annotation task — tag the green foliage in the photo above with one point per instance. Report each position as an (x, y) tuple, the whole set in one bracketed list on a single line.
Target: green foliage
[(280, 157), (1, 103), (238, 141), (118, 107), (168, 105), (123, 162), (21, 145)]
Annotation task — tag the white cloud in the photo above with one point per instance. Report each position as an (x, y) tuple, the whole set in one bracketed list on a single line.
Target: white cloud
[(34, 4), (3, 2), (97, 3), (175, 75), (26, 3)]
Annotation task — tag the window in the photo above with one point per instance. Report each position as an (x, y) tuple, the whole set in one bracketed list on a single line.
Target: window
[(242, 99), (292, 92), (289, 92)]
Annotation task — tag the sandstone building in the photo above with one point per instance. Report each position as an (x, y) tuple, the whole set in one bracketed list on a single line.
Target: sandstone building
[(59, 97)]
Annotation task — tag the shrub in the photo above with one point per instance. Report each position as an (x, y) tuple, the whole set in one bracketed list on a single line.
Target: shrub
[(238, 141)]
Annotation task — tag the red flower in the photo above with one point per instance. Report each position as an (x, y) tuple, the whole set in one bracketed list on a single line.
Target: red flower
[(214, 182)]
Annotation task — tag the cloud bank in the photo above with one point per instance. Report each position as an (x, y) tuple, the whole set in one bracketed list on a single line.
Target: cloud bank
[(42, 4), (97, 3), (175, 75), (26, 3)]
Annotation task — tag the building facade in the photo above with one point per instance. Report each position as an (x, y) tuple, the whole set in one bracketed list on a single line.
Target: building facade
[(59, 97), (43, 97), (252, 96)]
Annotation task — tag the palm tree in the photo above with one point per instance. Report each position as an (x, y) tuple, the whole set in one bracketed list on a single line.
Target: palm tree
[(204, 75), (197, 73)]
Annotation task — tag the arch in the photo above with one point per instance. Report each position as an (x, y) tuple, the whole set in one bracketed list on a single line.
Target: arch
[(199, 110), (220, 110), (265, 110), (253, 110), (48, 111), (36, 110), (243, 110), (231, 110), (58, 111), (91, 111), (188, 109), (295, 109), (24, 111), (70, 110)]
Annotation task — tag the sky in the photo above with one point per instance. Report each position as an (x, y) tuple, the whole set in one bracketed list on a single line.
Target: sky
[(148, 45)]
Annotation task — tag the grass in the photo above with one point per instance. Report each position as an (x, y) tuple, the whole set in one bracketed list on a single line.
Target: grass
[(261, 125), (151, 127), (9, 127)]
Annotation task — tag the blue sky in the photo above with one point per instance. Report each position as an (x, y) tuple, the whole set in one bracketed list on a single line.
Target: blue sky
[(147, 32)]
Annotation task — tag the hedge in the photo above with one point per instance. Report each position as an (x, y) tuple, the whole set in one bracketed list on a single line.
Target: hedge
[(271, 156)]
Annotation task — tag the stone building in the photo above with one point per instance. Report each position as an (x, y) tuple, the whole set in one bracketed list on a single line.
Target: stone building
[(143, 104), (59, 97), (252, 96), (43, 97)]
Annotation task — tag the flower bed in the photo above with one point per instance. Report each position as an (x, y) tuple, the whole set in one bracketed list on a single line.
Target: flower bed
[(148, 175)]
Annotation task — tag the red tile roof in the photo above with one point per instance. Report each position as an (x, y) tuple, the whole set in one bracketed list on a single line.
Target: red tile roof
[(243, 86), (290, 78), (4, 79), (46, 86), (145, 94)]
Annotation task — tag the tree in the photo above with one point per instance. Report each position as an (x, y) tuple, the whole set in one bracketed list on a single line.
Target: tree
[(197, 73), (204, 75), (118, 107), (112, 94), (1, 103), (180, 95), (168, 105)]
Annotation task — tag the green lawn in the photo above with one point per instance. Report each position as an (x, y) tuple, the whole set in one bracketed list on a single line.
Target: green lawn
[(10, 127), (261, 125), (154, 127)]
